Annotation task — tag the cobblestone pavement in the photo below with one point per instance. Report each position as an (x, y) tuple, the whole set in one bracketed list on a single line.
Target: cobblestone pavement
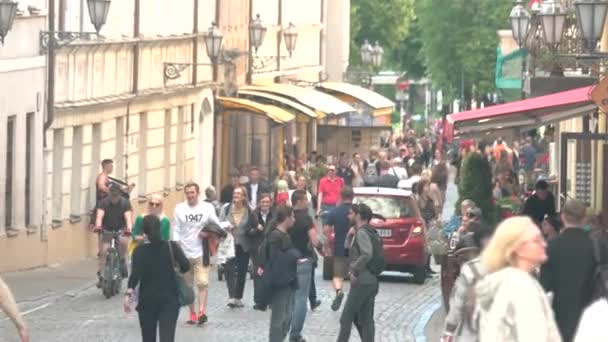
[(88, 316)]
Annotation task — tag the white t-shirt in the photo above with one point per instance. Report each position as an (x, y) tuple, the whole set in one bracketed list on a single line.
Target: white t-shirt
[(189, 222), (591, 326), (254, 195)]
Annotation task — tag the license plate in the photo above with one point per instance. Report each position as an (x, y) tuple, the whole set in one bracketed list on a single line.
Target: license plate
[(385, 232)]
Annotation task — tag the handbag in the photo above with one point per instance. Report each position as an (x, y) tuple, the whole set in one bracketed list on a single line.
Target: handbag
[(185, 294)]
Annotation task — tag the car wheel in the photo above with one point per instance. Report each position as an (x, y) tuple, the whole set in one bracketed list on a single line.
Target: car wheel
[(420, 275), (328, 268)]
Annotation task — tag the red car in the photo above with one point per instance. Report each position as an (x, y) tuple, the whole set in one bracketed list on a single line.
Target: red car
[(403, 231)]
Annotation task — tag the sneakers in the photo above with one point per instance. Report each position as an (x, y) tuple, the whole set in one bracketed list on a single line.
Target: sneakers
[(239, 303), (202, 319), (315, 304), (99, 280), (337, 301), (297, 339), (193, 318), (260, 307)]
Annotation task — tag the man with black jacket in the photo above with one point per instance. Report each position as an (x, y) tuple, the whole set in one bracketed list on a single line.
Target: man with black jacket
[(569, 270), (256, 187), (359, 306), (284, 266)]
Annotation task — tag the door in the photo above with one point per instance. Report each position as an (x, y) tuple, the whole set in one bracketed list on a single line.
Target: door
[(580, 155)]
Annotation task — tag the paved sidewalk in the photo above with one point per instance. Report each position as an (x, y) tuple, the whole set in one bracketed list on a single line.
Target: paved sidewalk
[(40, 286)]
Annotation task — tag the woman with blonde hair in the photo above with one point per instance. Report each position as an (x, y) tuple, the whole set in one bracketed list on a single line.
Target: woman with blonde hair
[(511, 304), (155, 207)]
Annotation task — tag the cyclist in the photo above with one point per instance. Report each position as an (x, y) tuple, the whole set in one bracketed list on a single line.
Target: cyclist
[(114, 213)]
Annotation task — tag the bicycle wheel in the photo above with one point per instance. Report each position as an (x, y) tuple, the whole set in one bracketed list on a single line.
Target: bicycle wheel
[(110, 273)]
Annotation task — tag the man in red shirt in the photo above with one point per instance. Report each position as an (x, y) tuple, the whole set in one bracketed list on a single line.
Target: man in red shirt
[(329, 192)]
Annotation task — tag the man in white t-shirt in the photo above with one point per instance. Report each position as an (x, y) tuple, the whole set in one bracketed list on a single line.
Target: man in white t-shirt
[(191, 216)]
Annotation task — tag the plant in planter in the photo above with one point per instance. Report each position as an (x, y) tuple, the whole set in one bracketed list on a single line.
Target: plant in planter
[(476, 184)]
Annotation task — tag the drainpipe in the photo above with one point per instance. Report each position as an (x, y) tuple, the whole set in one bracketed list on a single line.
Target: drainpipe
[(249, 76), (136, 47), (217, 22), (50, 90), (81, 27), (279, 35), (195, 43)]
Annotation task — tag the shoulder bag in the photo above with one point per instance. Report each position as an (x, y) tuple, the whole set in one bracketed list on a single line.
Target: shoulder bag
[(185, 294)]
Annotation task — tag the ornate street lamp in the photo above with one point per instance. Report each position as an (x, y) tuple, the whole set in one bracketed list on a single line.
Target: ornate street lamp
[(520, 23), (591, 15), (553, 18), (8, 11), (213, 41), (98, 11), (377, 54), (257, 31), (290, 34), (366, 52)]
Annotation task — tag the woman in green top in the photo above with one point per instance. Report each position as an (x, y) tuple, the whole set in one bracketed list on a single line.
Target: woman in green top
[(155, 207)]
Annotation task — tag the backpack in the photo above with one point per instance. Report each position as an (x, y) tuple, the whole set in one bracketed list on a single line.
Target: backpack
[(377, 264), (600, 276)]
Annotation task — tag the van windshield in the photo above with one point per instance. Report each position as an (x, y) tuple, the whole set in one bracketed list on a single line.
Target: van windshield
[(389, 207)]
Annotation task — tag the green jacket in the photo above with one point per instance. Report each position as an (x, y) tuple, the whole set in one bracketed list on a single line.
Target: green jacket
[(360, 254), (165, 227)]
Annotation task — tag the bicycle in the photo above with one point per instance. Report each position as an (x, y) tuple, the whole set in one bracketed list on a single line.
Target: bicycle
[(111, 279)]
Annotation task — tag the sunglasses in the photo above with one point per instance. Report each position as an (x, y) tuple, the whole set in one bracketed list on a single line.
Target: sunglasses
[(470, 215), (154, 204)]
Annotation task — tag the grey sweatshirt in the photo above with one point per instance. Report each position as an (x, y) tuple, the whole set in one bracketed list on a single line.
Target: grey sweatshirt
[(360, 254)]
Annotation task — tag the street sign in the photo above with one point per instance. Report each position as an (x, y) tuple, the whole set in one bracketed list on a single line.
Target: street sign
[(599, 94)]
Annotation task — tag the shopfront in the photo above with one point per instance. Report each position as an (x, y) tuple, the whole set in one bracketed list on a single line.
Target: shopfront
[(251, 134)]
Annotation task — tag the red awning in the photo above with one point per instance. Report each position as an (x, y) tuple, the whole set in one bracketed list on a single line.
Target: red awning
[(528, 113)]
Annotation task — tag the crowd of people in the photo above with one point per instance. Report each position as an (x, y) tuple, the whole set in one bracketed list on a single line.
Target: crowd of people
[(275, 229), (538, 275)]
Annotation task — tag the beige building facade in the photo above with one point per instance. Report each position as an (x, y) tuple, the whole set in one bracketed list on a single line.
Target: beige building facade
[(112, 101)]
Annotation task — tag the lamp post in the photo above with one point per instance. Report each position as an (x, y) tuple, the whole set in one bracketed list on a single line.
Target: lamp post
[(290, 34), (520, 23), (366, 52), (98, 11), (377, 54), (553, 19), (590, 17), (213, 41), (257, 31), (8, 11)]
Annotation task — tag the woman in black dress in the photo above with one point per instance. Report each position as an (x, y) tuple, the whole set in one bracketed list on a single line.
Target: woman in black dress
[(154, 271)]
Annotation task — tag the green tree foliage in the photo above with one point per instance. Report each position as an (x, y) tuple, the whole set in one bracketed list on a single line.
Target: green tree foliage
[(409, 53), (385, 21), (459, 42), (476, 184)]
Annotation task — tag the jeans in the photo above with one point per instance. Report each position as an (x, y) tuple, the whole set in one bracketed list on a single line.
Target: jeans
[(282, 303), (164, 316), (312, 294), (236, 273), (301, 298), (359, 309)]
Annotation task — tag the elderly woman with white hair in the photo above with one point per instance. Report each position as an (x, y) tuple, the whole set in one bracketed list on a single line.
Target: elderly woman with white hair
[(155, 207), (511, 304)]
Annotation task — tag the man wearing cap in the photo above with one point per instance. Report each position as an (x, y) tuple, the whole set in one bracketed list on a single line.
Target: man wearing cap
[(114, 213), (570, 269), (540, 203)]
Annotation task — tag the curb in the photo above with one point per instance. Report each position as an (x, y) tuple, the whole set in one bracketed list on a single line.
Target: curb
[(427, 313)]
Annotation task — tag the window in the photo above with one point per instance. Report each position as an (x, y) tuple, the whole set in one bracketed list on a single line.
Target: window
[(10, 154), (387, 206), (29, 156)]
